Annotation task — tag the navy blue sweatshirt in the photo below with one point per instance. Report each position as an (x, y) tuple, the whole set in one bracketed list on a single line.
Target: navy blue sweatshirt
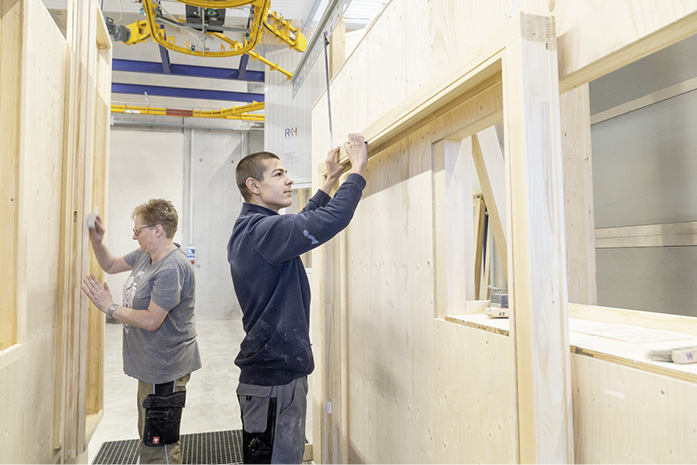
[(272, 286)]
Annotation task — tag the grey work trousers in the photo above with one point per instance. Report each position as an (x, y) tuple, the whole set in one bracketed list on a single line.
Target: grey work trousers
[(273, 421)]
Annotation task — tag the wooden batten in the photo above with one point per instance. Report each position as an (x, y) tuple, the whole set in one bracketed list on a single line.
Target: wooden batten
[(482, 248), (578, 195), (337, 48), (10, 89), (98, 200), (453, 226), (491, 171), (537, 282)]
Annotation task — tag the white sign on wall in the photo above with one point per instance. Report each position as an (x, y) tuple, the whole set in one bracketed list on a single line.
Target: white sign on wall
[(290, 145)]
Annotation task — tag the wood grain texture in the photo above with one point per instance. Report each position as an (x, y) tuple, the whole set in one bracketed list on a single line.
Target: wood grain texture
[(623, 415), (44, 394), (453, 225), (604, 36), (578, 195), (10, 89), (406, 104), (536, 258), (98, 198), (475, 396)]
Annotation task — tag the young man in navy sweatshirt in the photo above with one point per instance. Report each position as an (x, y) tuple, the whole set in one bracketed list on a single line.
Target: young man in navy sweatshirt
[(273, 290)]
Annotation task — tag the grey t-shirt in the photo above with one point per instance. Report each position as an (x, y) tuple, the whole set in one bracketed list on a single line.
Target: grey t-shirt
[(171, 351)]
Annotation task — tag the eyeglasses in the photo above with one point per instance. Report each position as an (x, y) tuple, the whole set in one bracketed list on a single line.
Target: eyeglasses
[(135, 230)]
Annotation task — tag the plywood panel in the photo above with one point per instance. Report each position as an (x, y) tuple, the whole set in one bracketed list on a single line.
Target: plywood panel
[(604, 36), (442, 32), (475, 396), (390, 303), (390, 306), (10, 87), (40, 174), (388, 261), (623, 415), (35, 422)]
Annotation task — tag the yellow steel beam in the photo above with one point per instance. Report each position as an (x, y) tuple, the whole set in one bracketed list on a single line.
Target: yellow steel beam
[(286, 32), (237, 113)]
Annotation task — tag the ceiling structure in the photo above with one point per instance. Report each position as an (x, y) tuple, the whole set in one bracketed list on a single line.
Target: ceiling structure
[(146, 74)]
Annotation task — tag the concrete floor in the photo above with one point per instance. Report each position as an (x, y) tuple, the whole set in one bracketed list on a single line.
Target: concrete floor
[(211, 404)]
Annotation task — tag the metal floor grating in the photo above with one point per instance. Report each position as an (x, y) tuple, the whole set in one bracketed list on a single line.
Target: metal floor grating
[(215, 447)]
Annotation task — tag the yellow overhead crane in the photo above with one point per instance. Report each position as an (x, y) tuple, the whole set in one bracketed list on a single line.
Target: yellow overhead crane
[(240, 113), (261, 19)]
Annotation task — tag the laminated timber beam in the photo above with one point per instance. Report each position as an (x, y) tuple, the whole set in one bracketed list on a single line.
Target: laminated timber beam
[(536, 262)]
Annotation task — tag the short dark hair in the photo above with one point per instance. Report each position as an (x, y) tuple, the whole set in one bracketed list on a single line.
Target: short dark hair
[(251, 166), (158, 211)]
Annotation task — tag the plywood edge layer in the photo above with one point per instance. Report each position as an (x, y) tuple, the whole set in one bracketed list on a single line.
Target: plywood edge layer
[(577, 68), (650, 235), (598, 347), (481, 322), (671, 371), (650, 320)]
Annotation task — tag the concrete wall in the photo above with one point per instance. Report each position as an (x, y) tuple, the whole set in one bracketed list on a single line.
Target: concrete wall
[(170, 163)]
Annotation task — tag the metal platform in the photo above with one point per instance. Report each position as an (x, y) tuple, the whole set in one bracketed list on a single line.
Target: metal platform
[(215, 447)]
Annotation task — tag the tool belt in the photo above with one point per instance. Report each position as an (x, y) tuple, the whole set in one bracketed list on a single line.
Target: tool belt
[(163, 414)]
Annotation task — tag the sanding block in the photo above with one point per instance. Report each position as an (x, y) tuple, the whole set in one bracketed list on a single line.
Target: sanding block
[(91, 217)]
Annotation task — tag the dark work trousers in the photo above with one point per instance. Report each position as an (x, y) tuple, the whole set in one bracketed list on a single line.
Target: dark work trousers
[(273, 421)]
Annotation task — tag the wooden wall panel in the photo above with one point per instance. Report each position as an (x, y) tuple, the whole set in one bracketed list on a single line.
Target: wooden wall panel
[(38, 414), (604, 36), (474, 397), (439, 33), (387, 298), (390, 307), (375, 369), (623, 415), (10, 88), (41, 134)]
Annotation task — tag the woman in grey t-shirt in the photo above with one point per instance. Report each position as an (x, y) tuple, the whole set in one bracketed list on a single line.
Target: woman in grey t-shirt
[(159, 331)]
